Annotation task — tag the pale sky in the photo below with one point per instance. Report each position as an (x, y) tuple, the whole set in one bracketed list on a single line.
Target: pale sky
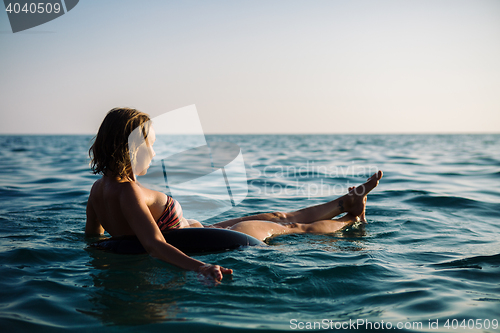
[(272, 66)]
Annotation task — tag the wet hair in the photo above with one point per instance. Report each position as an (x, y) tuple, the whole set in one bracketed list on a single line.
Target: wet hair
[(109, 152)]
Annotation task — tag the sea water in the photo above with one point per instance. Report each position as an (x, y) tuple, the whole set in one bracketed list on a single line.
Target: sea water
[(427, 260)]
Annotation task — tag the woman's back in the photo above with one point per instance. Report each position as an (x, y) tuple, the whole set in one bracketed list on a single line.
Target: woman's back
[(105, 201)]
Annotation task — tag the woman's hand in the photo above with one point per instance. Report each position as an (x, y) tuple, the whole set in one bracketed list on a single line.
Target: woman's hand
[(214, 271)]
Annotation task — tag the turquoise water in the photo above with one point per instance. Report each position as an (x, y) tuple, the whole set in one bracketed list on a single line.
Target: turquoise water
[(430, 252)]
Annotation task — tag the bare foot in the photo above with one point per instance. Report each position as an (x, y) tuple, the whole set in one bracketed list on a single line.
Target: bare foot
[(356, 198), (352, 217)]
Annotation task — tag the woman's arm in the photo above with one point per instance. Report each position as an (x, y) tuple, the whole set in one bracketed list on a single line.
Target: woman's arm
[(92, 227), (143, 225)]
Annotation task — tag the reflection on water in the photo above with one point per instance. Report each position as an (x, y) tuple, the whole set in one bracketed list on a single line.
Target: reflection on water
[(130, 290)]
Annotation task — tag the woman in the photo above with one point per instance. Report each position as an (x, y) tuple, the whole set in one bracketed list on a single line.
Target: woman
[(119, 204)]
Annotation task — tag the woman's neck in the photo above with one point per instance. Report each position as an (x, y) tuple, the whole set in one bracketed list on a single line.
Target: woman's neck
[(126, 179)]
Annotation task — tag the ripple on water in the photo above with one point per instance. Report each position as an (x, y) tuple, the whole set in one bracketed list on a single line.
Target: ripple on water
[(429, 251)]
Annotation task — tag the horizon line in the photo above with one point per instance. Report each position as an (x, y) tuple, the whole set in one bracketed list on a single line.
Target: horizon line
[(305, 133)]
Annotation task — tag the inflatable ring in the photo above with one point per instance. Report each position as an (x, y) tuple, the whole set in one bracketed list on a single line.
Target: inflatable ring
[(188, 240)]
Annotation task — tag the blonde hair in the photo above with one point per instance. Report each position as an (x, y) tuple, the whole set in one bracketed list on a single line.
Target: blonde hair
[(110, 154)]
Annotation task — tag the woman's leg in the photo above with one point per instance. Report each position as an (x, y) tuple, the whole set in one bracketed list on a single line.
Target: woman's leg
[(352, 202), (265, 229)]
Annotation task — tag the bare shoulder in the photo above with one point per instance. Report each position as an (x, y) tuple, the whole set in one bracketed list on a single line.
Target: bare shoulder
[(96, 189), (104, 189), (130, 193)]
